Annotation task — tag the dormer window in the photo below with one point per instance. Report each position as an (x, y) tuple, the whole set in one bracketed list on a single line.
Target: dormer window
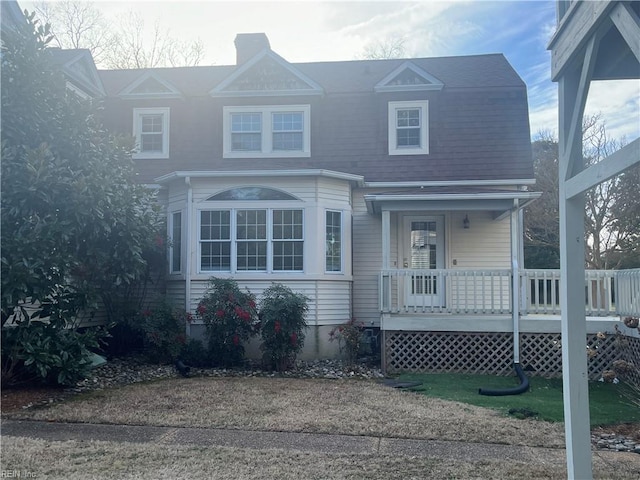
[(151, 131), (408, 128), (267, 131)]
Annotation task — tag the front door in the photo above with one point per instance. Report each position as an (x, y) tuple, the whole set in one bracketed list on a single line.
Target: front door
[(424, 251)]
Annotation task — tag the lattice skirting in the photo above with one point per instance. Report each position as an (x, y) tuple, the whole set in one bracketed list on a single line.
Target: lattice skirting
[(492, 353)]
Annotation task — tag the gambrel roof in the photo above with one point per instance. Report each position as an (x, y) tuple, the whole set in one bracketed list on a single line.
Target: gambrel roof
[(477, 115), (473, 71)]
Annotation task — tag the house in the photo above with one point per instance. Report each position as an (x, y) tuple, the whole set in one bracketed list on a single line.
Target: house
[(386, 190)]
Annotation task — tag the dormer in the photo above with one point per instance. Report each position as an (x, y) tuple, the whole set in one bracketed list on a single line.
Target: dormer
[(408, 77), (79, 70), (150, 86), (264, 74)]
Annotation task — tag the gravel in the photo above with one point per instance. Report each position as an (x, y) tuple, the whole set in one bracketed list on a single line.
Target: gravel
[(123, 371)]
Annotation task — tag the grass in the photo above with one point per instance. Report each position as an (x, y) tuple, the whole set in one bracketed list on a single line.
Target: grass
[(298, 405), (327, 406), (608, 402)]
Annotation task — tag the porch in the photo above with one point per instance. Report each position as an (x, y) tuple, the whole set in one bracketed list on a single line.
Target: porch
[(464, 320), (489, 293)]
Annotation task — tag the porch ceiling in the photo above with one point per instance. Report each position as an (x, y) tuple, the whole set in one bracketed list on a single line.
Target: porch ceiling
[(432, 199)]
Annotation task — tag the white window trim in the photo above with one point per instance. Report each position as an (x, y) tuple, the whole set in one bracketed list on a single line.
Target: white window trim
[(138, 113), (424, 128), (267, 131), (233, 251)]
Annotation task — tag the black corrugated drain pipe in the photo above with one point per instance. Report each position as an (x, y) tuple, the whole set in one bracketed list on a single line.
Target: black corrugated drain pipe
[(523, 387)]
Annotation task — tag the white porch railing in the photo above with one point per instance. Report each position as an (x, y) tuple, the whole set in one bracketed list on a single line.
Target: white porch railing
[(487, 292), (445, 291), (627, 289)]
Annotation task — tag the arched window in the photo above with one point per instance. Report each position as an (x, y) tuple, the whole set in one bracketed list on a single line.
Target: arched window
[(251, 193)]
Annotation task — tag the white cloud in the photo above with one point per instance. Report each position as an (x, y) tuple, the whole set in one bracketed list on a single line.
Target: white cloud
[(619, 103)]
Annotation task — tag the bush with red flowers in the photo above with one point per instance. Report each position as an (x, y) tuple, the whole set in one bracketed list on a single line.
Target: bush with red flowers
[(163, 331), (231, 318), (349, 337), (282, 313)]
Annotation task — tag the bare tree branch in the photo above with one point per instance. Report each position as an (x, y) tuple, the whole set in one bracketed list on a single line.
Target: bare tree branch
[(391, 47), (125, 43)]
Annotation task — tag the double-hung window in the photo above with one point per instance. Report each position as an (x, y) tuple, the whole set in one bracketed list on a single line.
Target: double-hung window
[(215, 240), (288, 131), (263, 240), (151, 131), (408, 128), (333, 236), (267, 131), (246, 132), (175, 253)]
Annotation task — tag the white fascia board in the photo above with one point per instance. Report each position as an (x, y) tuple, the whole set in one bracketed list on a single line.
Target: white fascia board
[(455, 196), (94, 84), (453, 183), (261, 173)]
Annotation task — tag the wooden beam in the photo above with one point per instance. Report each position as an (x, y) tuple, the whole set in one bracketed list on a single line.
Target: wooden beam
[(577, 112), (579, 23), (611, 166), (628, 23)]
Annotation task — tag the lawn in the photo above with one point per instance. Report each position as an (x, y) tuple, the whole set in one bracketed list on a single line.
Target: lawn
[(347, 407), (608, 402)]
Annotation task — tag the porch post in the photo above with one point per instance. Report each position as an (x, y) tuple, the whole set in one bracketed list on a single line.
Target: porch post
[(386, 239), (386, 263), (515, 284), (573, 88)]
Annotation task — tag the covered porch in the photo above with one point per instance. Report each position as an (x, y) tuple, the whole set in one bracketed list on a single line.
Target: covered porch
[(460, 292), (466, 320)]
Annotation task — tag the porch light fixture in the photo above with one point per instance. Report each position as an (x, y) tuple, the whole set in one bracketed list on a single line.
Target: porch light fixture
[(465, 222)]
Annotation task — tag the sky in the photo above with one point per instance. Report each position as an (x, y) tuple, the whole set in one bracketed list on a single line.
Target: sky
[(310, 31)]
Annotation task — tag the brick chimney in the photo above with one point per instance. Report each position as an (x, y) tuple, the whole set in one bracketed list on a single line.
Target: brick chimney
[(248, 45)]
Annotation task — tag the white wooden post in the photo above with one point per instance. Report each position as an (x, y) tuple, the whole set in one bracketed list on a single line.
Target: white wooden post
[(572, 95), (573, 65), (515, 274), (386, 239)]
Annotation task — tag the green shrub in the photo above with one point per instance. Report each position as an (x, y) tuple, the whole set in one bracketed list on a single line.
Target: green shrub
[(348, 336), (231, 318), (282, 315), (163, 330), (47, 352), (194, 354)]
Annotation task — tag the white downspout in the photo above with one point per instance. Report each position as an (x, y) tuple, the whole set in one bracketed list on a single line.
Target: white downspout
[(187, 267), (515, 271)]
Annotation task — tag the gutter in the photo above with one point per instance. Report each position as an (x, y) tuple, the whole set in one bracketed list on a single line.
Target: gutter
[(453, 183), (358, 179)]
